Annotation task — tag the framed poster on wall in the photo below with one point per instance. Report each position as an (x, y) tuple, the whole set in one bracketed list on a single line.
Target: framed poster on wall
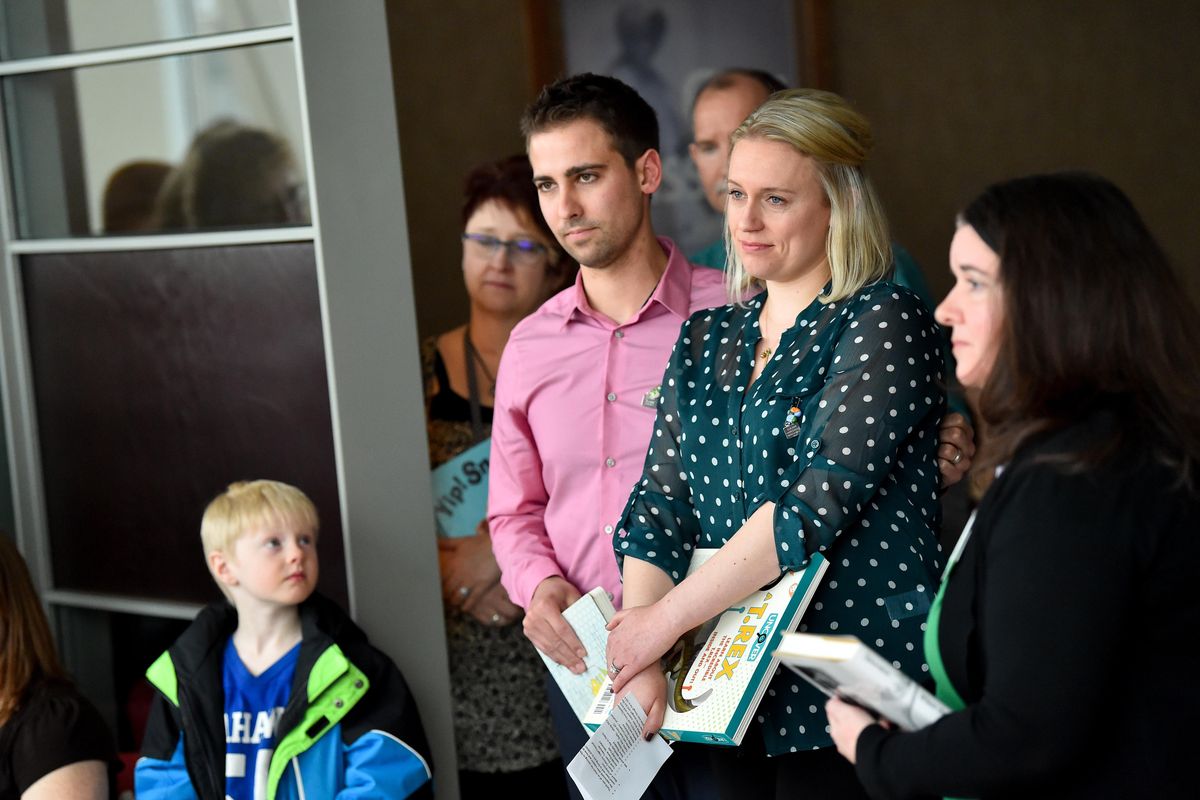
[(666, 49)]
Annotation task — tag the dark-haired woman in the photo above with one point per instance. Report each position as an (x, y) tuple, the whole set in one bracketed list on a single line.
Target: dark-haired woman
[(1061, 636), (511, 264), (53, 743)]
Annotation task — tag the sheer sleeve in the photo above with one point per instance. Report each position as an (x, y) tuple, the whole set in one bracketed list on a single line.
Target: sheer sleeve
[(659, 524), (858, 426)]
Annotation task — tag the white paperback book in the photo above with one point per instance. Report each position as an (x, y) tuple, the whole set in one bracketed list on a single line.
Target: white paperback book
[(589, 616), (845, 667)]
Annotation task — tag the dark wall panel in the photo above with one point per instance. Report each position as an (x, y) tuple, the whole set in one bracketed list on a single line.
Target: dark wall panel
[(160, 377), (961, 94)]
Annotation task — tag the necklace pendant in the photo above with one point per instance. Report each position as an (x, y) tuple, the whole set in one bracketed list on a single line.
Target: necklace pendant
[(765, 354)]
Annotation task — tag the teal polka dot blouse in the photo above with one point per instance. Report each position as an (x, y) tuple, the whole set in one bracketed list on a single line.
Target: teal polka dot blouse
[(839, 432)]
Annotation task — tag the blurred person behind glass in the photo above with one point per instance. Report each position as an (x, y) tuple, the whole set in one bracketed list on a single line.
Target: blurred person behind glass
[(234, 176), (130, 194), (511, 264)]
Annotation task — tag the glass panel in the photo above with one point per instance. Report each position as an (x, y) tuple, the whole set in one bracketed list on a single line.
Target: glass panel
[(206, 141), (32, 28), (160, 377)]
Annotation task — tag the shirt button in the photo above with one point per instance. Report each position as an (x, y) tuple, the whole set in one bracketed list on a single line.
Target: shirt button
[(610, 462), (608, 529), (619, 334), (612, 398)]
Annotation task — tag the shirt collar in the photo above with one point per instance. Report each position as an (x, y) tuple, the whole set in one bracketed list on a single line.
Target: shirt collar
[(673, 291)]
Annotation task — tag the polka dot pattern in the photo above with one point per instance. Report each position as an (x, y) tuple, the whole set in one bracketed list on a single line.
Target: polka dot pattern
[(840, 432)]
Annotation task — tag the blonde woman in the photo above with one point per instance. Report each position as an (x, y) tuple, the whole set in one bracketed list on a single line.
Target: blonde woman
[(802, 420)]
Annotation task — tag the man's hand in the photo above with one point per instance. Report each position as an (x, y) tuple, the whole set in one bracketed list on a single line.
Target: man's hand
[(650, 688), (546, 628), (468, 567), (956, 448)]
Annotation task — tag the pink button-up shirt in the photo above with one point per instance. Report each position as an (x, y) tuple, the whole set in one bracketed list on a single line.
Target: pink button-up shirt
[(573, 416)]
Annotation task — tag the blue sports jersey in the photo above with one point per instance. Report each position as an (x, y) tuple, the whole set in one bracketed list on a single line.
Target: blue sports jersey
[(253, 706)]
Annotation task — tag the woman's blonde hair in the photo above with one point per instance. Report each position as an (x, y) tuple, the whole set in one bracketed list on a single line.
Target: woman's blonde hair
[(822, 126)]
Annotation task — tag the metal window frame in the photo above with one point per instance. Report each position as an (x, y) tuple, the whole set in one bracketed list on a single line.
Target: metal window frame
[(364, 273), (16, 382), (148, 51)]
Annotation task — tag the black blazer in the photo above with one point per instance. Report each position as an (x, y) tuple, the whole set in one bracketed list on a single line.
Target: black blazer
[(1066, 629)]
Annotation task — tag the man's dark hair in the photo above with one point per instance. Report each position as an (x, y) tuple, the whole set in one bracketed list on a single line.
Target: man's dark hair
[(728, 78), (608, 102)]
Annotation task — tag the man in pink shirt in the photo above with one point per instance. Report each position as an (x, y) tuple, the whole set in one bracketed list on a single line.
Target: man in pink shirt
[(578, 382)]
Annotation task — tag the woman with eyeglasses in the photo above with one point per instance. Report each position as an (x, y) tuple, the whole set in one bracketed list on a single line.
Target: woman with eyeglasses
[(511, 264)]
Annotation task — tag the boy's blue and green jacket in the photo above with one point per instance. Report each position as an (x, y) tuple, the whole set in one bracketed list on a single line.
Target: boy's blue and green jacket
[(350, 728)]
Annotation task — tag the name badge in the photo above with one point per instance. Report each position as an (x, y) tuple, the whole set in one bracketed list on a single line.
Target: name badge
[(791, 422)]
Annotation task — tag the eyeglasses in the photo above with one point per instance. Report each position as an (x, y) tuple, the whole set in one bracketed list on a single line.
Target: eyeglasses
[(525, 252)]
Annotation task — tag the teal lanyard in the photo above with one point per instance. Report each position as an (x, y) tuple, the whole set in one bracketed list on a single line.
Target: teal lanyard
[(933, 652)]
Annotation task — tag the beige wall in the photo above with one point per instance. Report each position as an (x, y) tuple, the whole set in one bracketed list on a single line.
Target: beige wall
[(965, 93), (461, 84), (960, 92)]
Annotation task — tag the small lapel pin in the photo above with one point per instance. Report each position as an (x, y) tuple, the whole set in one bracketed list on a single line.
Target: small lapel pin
[(791, 423)]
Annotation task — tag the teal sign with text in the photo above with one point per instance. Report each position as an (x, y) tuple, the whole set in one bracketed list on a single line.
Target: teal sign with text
[(460, 488)]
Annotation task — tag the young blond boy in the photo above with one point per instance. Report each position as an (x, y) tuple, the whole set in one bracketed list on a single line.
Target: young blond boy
[(309, 708)]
